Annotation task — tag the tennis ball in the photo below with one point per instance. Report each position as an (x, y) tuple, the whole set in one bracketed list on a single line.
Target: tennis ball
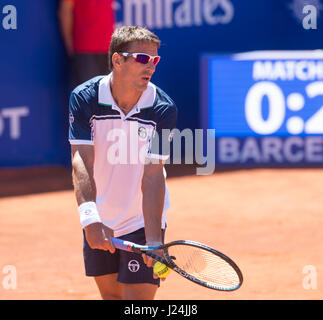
[(161, 270)]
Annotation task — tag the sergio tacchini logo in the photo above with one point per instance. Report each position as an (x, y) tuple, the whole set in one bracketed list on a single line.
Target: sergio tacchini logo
[(142, 132), (133, 265)]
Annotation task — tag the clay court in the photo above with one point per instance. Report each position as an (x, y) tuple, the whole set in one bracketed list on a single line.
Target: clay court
[(267, 220)]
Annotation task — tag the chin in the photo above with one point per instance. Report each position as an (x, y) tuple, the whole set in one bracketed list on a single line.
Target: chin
[(142, 86)]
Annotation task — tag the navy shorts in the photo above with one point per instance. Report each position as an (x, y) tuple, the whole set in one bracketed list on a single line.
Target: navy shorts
[(129, 266)]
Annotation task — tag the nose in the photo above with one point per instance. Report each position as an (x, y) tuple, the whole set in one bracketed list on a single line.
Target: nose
[(151, 65)]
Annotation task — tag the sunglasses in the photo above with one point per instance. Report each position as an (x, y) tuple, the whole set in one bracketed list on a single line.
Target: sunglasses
[(141, 57)]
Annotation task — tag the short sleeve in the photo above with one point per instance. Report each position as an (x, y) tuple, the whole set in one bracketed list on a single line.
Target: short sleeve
[(80, 127), (161, 140)]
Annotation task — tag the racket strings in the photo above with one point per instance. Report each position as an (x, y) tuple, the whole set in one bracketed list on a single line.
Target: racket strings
[(204, 265)]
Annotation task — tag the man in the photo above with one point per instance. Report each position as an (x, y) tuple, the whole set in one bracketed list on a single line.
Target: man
[(86, 26), (116, 122)]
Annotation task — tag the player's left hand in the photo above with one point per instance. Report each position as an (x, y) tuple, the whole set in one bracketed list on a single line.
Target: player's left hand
[(149, 261)]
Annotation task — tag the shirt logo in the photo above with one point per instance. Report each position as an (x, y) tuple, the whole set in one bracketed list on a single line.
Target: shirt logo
[(142, 133), (133, 265)]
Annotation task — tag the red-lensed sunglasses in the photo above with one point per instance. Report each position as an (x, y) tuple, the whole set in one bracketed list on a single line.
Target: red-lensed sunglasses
[(143, 58)]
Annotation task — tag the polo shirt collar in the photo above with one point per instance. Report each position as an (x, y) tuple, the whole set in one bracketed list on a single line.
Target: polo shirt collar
[(105, 97)]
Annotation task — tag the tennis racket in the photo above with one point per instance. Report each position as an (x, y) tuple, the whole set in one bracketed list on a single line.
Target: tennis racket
[(194, 261)]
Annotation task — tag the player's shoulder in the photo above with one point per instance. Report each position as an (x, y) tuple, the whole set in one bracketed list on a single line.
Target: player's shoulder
[(163, 100), (163, 106), (87, 92)]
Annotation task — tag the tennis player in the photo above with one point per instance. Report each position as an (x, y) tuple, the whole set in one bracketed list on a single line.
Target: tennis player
[(116, 122)]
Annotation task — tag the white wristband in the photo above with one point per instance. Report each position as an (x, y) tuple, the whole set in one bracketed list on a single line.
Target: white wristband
[(88, 213)]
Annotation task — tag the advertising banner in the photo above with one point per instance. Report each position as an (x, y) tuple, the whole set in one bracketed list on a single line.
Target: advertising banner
[(33, 85), (265, 107), (34, 82)]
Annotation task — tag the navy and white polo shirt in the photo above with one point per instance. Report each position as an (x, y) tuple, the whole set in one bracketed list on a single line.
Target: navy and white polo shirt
[(121, 144)]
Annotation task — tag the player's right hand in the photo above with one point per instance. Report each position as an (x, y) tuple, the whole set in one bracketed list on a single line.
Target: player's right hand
[(98, 236)]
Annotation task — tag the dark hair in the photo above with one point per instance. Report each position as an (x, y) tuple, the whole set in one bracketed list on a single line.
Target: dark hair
[(123, 37)]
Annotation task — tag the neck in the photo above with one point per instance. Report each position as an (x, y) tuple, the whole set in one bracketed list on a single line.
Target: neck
[(123, 94)]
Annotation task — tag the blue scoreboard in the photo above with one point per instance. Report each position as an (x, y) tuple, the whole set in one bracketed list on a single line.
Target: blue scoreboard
[(266, 107)]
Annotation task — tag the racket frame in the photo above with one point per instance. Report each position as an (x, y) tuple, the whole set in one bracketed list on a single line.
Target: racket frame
[(147, 250)]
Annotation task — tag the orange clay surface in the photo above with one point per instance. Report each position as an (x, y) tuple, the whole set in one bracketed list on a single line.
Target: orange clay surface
[(268, 221)]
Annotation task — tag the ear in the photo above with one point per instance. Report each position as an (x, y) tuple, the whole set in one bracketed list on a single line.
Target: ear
[(117, 60)]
